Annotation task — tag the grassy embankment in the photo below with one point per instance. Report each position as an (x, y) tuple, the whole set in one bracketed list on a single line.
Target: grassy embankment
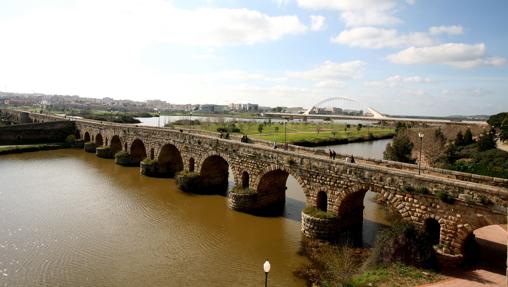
[(390, 263), (30, 148), (305, 134)]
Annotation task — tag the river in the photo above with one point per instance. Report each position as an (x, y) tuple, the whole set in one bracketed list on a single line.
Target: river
[(68, 218)]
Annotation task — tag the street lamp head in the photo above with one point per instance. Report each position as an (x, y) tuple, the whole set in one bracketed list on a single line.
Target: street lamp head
[(420, 135), (266, 266)]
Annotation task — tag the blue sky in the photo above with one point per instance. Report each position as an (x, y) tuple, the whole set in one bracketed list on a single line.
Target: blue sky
[(417, 57)]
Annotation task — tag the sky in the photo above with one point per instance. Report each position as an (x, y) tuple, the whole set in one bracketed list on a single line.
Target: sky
[(407, 57)]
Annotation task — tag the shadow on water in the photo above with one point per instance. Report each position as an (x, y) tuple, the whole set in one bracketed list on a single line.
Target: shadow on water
[(293, 209)]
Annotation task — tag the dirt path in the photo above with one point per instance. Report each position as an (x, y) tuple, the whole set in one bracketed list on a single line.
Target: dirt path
[(491, 271), (502, 146)]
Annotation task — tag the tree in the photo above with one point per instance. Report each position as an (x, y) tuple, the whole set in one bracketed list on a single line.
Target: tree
[(359, 127), (318, 129), (459, 139), (468, 137), (260, 128), (434, 146), (399, 149), (503, 135), (400, 126), (487, 140), (497, 120), (276, 129)]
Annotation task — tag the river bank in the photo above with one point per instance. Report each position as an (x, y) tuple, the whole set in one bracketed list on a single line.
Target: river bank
[(10, 149)]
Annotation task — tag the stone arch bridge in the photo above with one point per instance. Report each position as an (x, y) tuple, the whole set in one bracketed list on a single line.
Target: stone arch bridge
[(333, 185)]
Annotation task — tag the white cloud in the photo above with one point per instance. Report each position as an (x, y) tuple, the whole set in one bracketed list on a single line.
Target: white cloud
[(347, 5), (376, 38), (411, 2), (398, 80), (358, 12), (330, 84), (332, 71), (317, 22), (450, 30), (454, 54), (368, 18)]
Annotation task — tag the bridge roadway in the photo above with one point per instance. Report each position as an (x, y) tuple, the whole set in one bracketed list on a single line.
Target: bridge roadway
[(331, 185)]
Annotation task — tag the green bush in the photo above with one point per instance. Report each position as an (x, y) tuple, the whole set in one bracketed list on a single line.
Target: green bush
[(445, 197), (242, 190), (404, 243), (408, 189), (422, 190), (122, 154), (318, 213), (70, 139), (485, 200), (149, 161), (188, 181)]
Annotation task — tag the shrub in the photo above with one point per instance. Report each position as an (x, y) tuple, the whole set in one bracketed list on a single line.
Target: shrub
[(318, 213), (241, 190), (422, 190), (445, 197), (122, 153), (408, 189), (188, 181), (147, 160), (399, 149), (70, 139), (485, 200), (404, 243)]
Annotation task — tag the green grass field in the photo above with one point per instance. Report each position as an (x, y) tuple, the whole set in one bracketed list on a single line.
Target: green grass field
[(301, 132)]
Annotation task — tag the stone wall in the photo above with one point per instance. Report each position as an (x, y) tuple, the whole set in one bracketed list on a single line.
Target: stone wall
[(319, 228)]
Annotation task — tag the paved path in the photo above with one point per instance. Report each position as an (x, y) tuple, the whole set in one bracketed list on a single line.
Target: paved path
[(492, 240), (502, 146)]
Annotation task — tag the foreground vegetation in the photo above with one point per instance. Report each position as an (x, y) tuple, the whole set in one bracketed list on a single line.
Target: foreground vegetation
[(402, 256), (305, 134)]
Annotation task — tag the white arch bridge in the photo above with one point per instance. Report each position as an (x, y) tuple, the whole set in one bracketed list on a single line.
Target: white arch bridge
[(344, 108), (338, 104)]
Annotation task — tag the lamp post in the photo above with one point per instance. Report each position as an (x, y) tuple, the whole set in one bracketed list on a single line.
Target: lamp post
[(266, 268), (190, 120), (420, 135)]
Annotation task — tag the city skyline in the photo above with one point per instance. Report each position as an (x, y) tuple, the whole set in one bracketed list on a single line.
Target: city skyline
[(400, 57)]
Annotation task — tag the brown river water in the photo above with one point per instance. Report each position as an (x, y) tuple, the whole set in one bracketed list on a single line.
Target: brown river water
[(68, 218)]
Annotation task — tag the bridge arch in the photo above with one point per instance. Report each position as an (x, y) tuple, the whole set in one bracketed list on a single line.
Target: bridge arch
[(86, 137), (98, 140), (116, 144), (322, 201), (170, 160), (433, 230), (214, 174), (271, 187), (245, 179), (138, 151), (282, 168)]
